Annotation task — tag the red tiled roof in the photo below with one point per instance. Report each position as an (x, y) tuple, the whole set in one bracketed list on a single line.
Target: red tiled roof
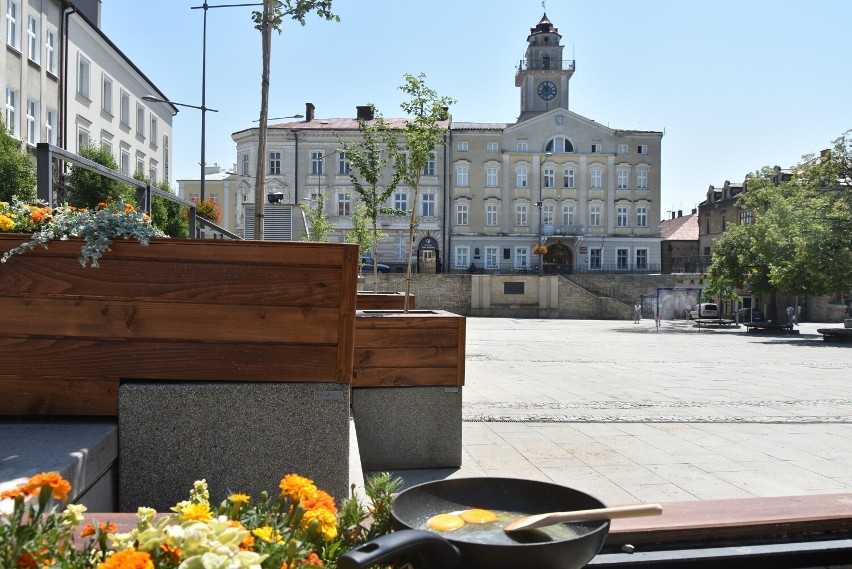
[(683, 228)]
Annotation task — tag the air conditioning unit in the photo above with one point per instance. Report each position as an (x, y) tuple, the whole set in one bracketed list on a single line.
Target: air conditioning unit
[(275, 197)]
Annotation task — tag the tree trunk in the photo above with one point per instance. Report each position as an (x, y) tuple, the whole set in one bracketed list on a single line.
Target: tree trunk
[(411, 226), (260, 178)]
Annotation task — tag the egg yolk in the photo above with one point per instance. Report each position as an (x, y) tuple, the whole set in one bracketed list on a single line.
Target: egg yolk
[(445, 522), (477, 516)]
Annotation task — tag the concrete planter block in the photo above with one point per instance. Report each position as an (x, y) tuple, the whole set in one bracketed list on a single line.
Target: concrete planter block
[(847, 322), (240, 436), (408, 427)]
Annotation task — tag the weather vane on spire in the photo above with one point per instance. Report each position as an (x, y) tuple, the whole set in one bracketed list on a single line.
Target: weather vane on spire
[(543, 6)]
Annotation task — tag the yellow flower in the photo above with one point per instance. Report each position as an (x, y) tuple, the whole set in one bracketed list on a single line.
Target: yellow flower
[(196, 512), (327, 522), (239, 498), (266, 533), (6, 223), (297, 487)]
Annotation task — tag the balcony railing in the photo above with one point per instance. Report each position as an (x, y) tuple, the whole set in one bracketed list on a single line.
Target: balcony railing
[(551, 64)]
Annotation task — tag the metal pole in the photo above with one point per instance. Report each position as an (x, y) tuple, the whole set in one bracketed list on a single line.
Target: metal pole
[(203, 99)]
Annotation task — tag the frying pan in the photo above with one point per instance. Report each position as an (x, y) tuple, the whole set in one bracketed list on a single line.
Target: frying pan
[(412, 508)]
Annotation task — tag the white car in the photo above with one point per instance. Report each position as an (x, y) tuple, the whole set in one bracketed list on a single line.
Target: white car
[(704, 311)]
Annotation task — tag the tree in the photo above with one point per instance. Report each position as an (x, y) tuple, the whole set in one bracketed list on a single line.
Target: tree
[(166, 215), (422, 134), (368, 158), (319, 226), (17, 171), (88, 188), (364, 234), (271, 18)]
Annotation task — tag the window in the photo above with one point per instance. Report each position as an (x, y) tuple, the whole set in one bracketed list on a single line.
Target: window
[(244, 164), (622, 149), (567, 215), (400, 201), (429, 169), (559, 145), (548, 214), (83, 137), (344, 203), (462, 257), (623, 176), (462, 180), (84, 72), (274, 163), (641, 217), (50, 126), (724, 223), (152, 172), (124, 109), (427, 205), (106, 141), (595, 216), (343, 168), (568, 178), (491, 215), (521, 147), (12, 23), (596, 148), (521, 215), (34, 49), (622, 257), (462, 146), (106, 95), (401, 247), (746, 217), (642, 149), (642, 179), (641, 258), (491, 177), (491, 258), (549, 177), (707, 251), (522, 257), (491, 147), (621, 216), (597, 179), (50, 52), (595, 258), (124, 160), (140, 164), (32, 122), (521, 177), (140, 120), (317, 160), (154, 127), (559, 119), (462, 214), (11, 115)]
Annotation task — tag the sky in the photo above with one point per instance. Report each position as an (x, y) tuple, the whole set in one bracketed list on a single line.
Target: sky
[(735, 85)]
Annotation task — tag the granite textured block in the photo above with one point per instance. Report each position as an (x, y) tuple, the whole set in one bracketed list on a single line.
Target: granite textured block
[(408, 427), (238, 436), (83, 452)]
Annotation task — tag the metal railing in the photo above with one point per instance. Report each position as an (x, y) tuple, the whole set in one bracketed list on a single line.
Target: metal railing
[(509, 268), (546, 64)]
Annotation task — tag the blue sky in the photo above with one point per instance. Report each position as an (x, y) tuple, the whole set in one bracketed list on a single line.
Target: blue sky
[(734, 84)]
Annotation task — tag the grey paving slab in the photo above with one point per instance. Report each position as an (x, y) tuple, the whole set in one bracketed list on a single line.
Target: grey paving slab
[(631, 413)]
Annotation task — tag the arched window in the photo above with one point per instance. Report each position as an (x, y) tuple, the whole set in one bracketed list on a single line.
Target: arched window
[(559, 145)]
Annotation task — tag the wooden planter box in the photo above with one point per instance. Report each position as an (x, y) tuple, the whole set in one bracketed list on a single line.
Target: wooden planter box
[(407, 388), (367, 300)]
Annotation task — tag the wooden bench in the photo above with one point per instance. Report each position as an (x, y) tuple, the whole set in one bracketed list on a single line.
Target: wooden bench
[(770, 328)]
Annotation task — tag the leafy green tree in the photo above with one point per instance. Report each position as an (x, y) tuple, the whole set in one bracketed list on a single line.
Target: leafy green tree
[(364, 233), (426, 128), (272, 17), (167, 216), (88, 188), (368, 158), (17, 171), (319, 227)]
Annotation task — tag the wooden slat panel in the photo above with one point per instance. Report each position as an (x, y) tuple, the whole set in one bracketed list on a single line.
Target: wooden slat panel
[(400, 337), (59, 396), (404, 376), (172, 280), (154, 320), (33, 358), (461, 355), (412, 356), (346, 321), (383, 301)]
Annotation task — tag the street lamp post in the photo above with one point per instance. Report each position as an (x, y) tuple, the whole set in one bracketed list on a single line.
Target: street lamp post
[(540, 204)]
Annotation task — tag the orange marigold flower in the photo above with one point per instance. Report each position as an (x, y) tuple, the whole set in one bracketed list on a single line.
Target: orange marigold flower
[(173, 554), (320, 500), (102, 528), (102, 204), (14, 492), (128, 559), (297, 487), (27, 561), (327, 522), (147, 217), (57, 485)]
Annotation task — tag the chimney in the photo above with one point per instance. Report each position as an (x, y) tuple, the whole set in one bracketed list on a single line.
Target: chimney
[(309, 112), (364, 112), (673, 215), (694, 211), (680, 213)]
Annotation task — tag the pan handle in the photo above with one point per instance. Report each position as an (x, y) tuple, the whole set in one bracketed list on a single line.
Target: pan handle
[(387, 547)]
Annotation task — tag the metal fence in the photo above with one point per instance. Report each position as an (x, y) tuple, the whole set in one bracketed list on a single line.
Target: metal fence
[(509, 268)]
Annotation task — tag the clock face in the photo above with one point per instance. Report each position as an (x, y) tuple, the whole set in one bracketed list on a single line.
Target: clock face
[(546, 90)]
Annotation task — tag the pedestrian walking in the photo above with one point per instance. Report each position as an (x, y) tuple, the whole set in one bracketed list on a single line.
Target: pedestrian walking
[(637, 313), (791, 318)]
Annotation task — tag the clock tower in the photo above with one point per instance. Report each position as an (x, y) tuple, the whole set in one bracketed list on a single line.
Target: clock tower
[(544, 75)]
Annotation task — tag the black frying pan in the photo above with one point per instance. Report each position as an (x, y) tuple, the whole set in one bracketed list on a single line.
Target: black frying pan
[(412, 507)]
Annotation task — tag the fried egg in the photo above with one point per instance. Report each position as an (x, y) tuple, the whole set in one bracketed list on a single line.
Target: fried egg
[(445, 522), (478, 516)]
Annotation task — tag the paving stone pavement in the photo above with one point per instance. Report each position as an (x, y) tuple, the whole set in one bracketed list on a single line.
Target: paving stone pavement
[(635, 413)]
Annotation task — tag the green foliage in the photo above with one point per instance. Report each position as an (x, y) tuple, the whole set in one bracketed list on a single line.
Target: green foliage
[(17, 171), (167, 216), (363, 231), (296, 10), (88, 189), (209, 210), (318, 224)]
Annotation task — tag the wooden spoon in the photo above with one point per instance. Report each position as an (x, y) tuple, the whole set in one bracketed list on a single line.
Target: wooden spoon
[(552, 518)]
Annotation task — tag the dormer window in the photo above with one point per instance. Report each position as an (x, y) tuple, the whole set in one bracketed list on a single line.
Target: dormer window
[(559, 145)]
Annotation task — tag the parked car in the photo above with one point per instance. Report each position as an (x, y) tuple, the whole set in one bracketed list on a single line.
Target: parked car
[(367, 266), (704, 310), (756, 315)]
